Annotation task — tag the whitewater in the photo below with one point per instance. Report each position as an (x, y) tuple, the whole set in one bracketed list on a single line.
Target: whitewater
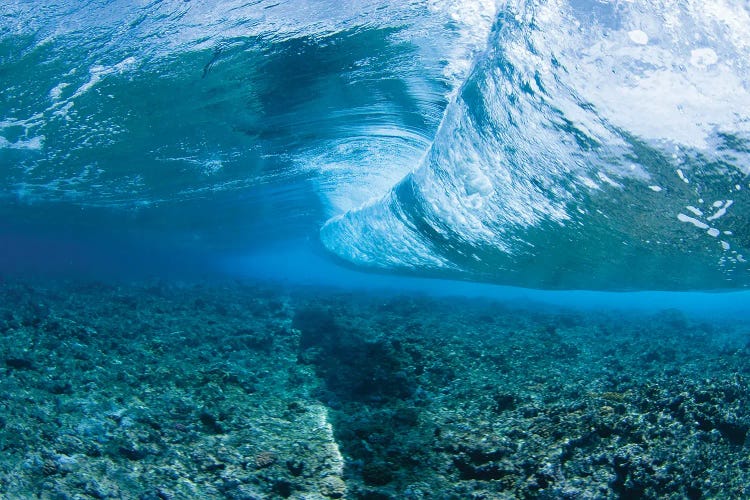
[(590, 138)]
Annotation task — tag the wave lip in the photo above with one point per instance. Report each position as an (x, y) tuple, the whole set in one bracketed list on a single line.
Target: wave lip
[(600, 146)]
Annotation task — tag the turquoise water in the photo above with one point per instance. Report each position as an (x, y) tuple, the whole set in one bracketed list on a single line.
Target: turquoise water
[(477, 141), (481, 141)]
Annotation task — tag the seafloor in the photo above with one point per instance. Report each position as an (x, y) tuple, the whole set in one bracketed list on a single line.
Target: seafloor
[(241, 391)]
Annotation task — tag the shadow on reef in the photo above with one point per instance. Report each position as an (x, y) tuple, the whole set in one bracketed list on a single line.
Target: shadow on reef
[(473, 400), (353, 367), (370, 384)]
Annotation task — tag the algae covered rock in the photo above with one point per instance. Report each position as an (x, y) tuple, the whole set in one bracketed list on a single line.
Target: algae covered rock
[(332, 487)]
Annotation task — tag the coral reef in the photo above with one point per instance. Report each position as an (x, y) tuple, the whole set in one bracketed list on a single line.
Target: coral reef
[(247, 391)]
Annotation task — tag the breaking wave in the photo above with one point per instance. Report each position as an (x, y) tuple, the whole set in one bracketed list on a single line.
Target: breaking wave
[(545, 143), (593, 145)]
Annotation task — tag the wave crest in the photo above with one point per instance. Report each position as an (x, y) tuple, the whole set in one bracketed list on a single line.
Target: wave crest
[(593, 145)]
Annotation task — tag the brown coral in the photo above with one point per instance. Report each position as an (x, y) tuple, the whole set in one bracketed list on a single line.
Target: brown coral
[(265, 459)]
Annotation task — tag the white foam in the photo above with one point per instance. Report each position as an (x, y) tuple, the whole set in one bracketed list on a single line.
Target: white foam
[(693, 221), (56, 92), (695, 211), (703, 57), (473, 19), (30, 144), (605, 178), (652, 89), (721, 211), (588, 182), (638, 37), (97, 72)]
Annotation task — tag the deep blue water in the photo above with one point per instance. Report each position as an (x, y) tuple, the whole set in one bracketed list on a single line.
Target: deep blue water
[(546, 145)]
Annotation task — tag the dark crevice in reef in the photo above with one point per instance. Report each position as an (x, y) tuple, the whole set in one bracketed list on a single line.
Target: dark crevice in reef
[(370, 386), (384, 434), (354, 368), (541, 405)]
